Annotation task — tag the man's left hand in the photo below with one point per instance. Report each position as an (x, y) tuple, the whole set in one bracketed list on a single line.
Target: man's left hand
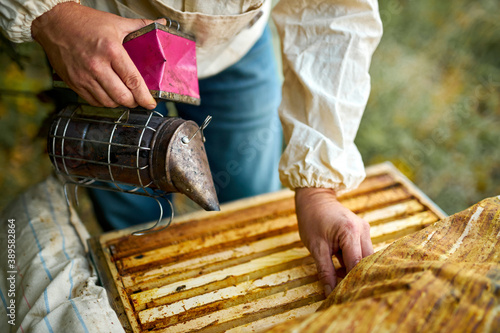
[(327, 228)]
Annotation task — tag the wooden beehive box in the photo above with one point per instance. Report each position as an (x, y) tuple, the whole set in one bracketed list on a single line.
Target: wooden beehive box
[(244, 268)]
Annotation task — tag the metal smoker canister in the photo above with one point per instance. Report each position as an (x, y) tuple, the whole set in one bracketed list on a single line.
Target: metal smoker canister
[(135, 151)]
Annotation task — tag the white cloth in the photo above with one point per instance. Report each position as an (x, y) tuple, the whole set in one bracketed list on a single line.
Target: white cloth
[(327, 48), (16, 16), (55, 286)]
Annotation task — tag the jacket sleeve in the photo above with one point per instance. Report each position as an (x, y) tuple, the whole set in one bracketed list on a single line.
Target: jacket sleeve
[(16, 16), (327, 48)]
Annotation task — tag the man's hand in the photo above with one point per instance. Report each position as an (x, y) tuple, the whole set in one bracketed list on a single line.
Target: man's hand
[(84, 46), (328, 228)]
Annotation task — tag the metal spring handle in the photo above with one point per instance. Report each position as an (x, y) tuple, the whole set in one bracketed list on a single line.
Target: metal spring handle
[(200, 129)]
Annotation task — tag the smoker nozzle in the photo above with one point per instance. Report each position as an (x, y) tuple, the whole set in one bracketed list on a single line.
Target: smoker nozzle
[(187, 168)]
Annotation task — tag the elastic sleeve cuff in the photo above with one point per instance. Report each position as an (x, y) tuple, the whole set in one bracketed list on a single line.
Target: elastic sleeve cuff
[(322, 167), (16, 17)]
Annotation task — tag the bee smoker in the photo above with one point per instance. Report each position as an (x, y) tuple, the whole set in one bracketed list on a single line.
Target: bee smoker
[(136, 150)]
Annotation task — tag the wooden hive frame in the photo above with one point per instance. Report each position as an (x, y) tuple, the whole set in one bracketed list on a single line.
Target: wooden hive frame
[(244, 268)]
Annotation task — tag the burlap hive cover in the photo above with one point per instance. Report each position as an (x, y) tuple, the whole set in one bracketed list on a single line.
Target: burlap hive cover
[(445, 278)]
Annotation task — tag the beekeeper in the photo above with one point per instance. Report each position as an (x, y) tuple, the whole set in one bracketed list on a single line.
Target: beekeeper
[(327, 48)]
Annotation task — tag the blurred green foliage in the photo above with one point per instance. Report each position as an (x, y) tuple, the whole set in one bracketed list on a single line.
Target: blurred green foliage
[(434, 109), (24, 74)]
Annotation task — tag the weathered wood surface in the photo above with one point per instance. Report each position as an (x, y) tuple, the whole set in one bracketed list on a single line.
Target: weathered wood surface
[(245, 269)]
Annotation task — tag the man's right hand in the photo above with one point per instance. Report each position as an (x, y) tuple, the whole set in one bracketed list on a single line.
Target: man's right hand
[(84, 46)]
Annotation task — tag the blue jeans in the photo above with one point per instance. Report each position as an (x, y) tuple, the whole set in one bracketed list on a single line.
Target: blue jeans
[(244, 138)]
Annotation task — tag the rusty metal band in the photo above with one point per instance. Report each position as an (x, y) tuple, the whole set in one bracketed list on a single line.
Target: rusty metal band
[(138, 148), (114, 144), (158, 26), (96, 162), (174, 97), (165, 95), (91, 183)]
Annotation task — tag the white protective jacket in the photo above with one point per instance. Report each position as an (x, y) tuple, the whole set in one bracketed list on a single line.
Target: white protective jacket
[(327, 47)]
